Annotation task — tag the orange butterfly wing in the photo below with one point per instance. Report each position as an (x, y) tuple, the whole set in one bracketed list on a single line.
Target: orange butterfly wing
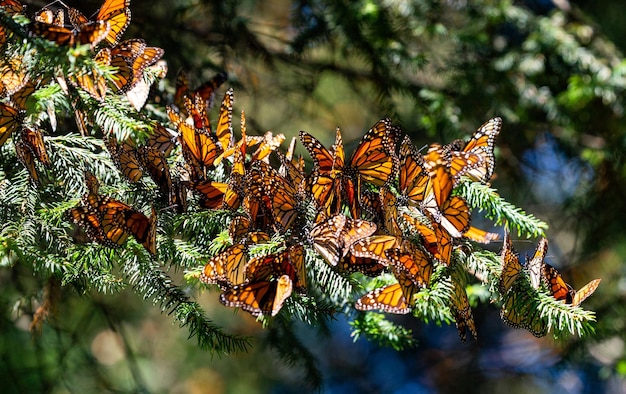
[(557, 287), (482, 144), (226, 268), (511, 266), (259, 298), (388, 299), (117, 14), (10, 120), (412, 177)]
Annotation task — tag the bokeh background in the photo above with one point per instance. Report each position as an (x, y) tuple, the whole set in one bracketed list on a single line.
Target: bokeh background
[(553, 70)]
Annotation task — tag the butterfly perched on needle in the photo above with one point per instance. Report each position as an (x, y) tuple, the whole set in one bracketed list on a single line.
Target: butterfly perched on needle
[(333, 237), (519, 310), (461, 309), (91, 33), (481, 144), (561, 290), (115, 13), (511, 266), (270, 281), (335, 182)]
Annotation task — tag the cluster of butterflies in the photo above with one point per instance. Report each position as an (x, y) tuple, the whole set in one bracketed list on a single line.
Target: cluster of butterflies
[(129, 59), (388, 208), (518, 309), (348, 212)]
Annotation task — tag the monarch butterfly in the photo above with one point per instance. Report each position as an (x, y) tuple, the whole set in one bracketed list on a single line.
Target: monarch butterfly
[(452, 213), (26, 157), (178, 197), (412, 177), (269, 282), (212, 193), (92, 82), (161, 139), (115, 12), (131, 57), (285, 203), (20, 97), (260, 183), (89, 221), (235, 192), (520, 311), (224, 128), (292, 170), (227, 268), (92, 183), (482, 144), (389, 211), (10, 7), (46, 15), (434, 237), (461, 308), (29, 147), (119, 221), (388, 299), (371, 206), (125, 158), (373, 161), (121, 57), (410, 264), (238, 228), (33, 138), (110, 222), (265, 297), (87, 33), (240, 231), (199, 147), (10, 120), (445, 244), (561, 290), (296, 256), (238, 150), (480, 236), (374, 247), (367, 255), (13, 76), (206, 90), (150, 242), (365, 265), (511, 266), (333, 237), (535, 264), (269, 143), (145, 58), (274, 265), (154, 163)]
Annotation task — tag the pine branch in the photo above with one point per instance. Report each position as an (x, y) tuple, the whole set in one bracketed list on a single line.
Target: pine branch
[(486, 199), (376, 327), (70, 153), (431, 303), (148, 280), (328, 285), (210, 336)]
